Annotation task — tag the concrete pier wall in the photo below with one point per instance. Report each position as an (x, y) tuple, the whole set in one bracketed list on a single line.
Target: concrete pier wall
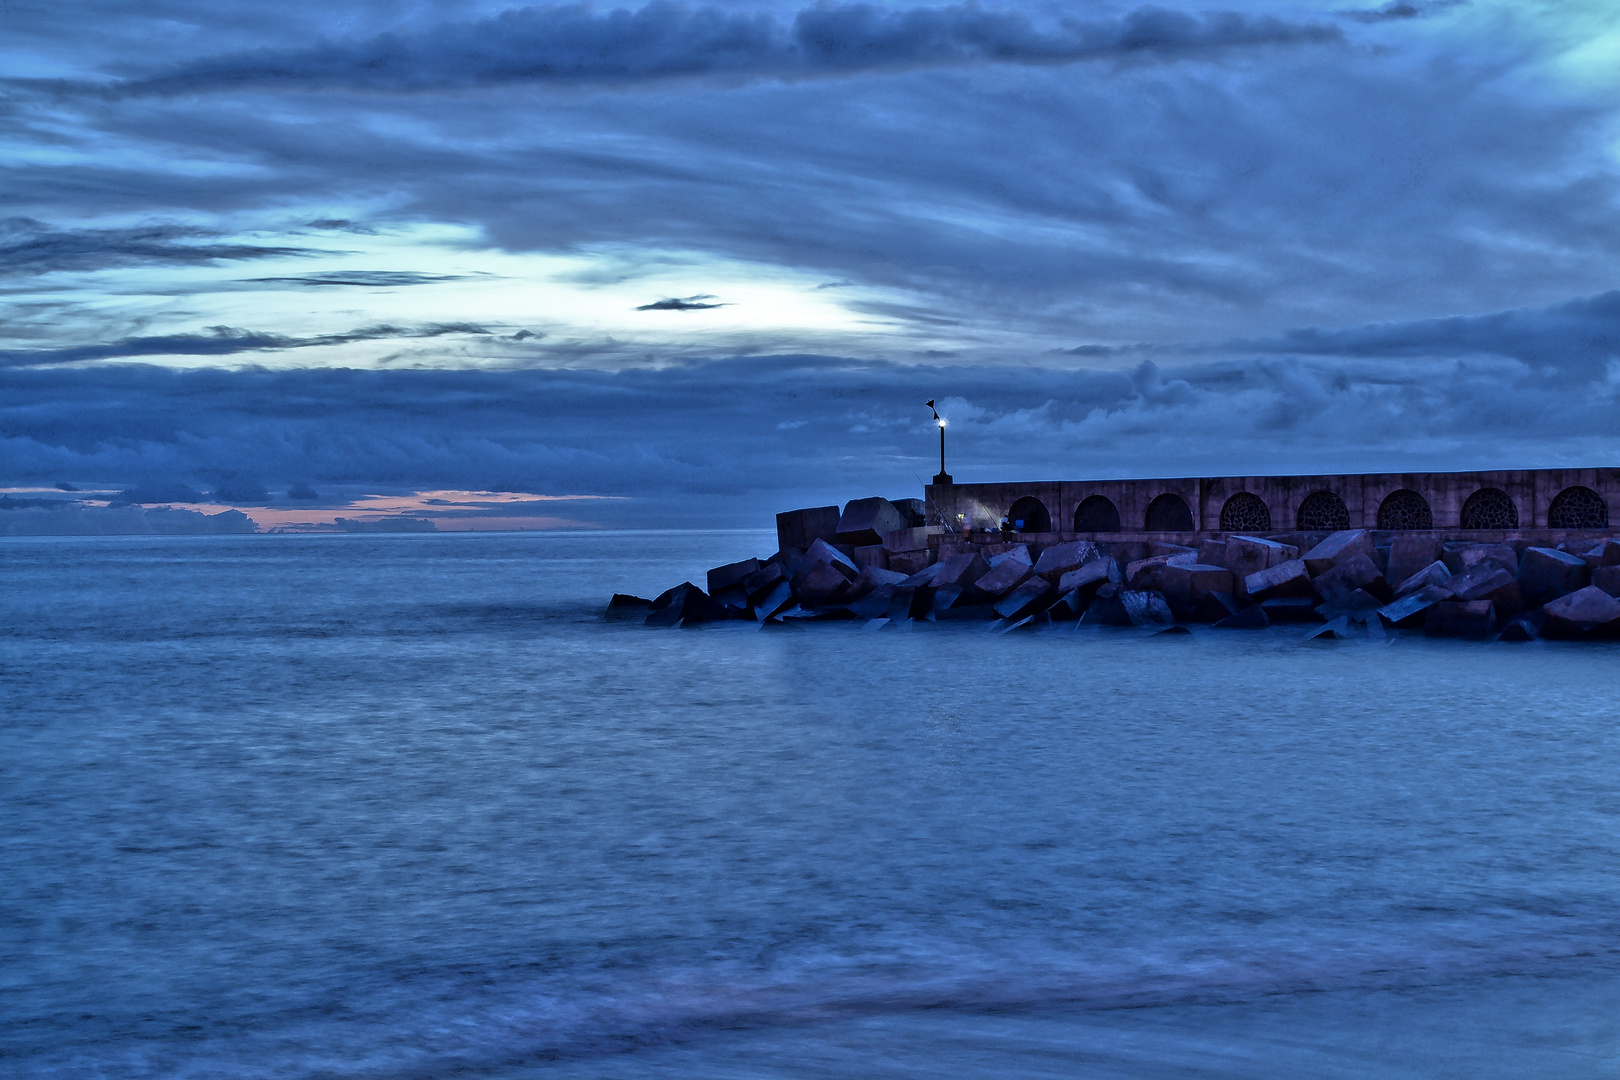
[(1504, 503)]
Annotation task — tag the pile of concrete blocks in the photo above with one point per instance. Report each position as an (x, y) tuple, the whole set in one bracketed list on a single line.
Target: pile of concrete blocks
[(869, 562)]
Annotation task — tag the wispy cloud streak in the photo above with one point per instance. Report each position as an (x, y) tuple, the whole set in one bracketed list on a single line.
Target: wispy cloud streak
[(577, 44)]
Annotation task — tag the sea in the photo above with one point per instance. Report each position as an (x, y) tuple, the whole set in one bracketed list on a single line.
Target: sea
[(401, 807)]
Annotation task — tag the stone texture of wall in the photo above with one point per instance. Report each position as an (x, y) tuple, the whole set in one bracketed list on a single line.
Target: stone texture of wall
[(1520, 501)]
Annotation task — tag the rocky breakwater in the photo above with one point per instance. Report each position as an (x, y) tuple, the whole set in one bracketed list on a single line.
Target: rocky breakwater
[(875, 563)]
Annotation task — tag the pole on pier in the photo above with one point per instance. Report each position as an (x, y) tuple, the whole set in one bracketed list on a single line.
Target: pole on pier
[(943, 477)]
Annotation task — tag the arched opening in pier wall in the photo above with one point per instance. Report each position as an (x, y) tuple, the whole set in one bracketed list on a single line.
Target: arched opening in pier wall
[(1029, 514), (1096, 513), (1322, 511), (1405, 509), (1245, 512), (1578, 508), (1490, 508), (1168, 513)]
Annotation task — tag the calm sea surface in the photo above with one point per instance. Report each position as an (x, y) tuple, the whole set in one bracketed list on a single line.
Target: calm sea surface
[(404, 807)]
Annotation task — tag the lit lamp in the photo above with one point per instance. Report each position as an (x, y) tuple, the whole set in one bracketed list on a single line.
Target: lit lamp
[(943, 477)]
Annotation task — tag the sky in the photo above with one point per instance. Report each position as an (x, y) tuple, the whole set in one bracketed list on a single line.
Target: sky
[(679, 265)]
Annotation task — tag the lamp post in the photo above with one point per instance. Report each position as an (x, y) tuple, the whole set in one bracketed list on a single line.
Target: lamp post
[(943, 477)]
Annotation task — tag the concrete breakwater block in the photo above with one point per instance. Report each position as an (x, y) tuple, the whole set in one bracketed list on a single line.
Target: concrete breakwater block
[(1588, 612), (731, 574), (623, 608), (1547, 573), (1410, 554), (1434, 573), (1289, 579), (800, 528), (1461, 618), (1059, 559), (1337, 548), (864, 521), (1513, 591)]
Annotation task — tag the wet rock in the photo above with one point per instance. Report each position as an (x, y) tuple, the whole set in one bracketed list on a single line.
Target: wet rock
[(1060, 559), (1520, 629), (898, 540), (1337, 548), (1146, 607), (777, 599), (966, 613), (684, 605), (1588, 612), (1091, 577), (735, 601), (1355, 571), (1410, 554), (800, 528), (864, 521), (1249, 618), (1353, 605), (1289, 579), (624, 607), (875, 604), (1212, 607), (1474, 619), (1607, 578), (1291, 609), (1106, 608), (903, 603), (1433, 574), (1033, 596), (731, 574), (1546, 574), (1068, 606), (1003, 578), (1411, 610), (1332, 630)]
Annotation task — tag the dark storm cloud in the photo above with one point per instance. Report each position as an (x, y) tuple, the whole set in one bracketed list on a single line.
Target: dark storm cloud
[(1575, 340), (374, 279), (34, 247), (219, 341), (732, 441), (682, 303), (577, 44)]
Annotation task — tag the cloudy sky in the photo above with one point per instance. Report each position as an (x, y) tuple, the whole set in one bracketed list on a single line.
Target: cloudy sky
[(703, 262)]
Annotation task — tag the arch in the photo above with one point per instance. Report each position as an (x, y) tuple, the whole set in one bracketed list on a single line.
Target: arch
[(1490, 508), (1405, 509), (1245, 512), (1322, 511), (1578, 508), (1168, 513), (1096, 513), (1029, 515)]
